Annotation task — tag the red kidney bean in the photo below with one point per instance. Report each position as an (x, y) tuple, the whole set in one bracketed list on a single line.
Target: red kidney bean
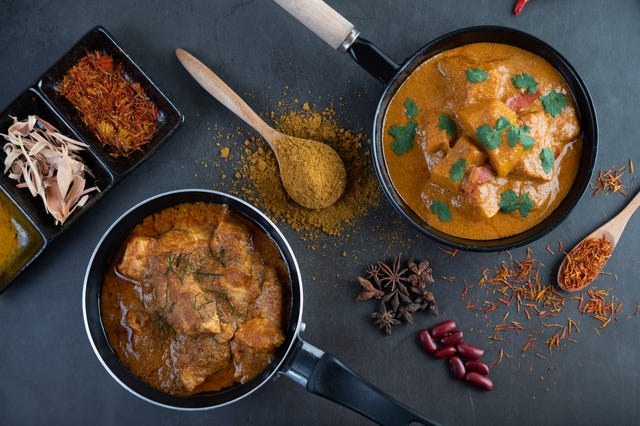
[(457, 367), (452, 339), (478, 367), (479, 380), (469, 352), (445, 352), (443, 328), (427, 341)]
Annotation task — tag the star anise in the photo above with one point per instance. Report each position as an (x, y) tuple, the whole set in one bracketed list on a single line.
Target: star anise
[(421, 274), (368, 290), (392, 276), (401, 292), (404, 313), (384, 319), (373, 272)]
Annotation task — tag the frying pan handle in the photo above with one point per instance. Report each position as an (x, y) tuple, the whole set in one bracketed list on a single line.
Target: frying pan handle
[(341, 35), (325, 375), (320, 18), (373, 60)]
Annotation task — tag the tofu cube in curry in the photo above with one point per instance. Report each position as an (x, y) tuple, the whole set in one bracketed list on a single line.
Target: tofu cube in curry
[(134, 260), (448, 173), (531, 165), (503, 157), (461, 91), (479, 197), (563, 128), (436, 139)]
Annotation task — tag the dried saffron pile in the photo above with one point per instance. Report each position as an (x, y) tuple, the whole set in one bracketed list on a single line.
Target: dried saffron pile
[(114, 108), (583, 263)]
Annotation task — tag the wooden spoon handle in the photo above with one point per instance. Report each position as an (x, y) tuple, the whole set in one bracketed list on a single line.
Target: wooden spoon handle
[(223, 93), (320, 18)]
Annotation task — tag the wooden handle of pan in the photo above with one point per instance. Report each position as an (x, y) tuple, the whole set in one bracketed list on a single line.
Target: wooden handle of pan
[(325, 22)]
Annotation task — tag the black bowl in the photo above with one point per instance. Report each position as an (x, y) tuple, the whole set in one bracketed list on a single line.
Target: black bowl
[(585, 110), (108, 246)]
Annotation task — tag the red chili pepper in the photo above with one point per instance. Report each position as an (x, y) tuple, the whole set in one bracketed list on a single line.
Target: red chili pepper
[(519, 5)]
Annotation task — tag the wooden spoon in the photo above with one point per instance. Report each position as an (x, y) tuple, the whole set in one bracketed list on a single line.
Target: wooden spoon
[(612, 231), (312, 173)]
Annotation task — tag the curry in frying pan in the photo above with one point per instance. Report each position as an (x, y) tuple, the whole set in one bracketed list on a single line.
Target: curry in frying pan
[(482, 141), (195, 300)]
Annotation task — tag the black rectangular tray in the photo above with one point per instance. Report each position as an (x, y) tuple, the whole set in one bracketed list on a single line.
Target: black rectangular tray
[(37, 229)]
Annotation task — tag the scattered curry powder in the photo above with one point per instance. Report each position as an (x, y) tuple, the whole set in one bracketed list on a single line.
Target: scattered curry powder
[(264, 189), (8, 236)]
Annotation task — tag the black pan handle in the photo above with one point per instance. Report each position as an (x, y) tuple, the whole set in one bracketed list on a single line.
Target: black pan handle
[(325, 375), (373, 60)]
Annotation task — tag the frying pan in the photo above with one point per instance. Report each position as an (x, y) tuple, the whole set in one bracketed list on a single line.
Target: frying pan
[(341, 35), (321, 373)]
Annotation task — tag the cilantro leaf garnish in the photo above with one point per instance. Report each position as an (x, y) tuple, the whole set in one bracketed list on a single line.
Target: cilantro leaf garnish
[(511, 202), (525, 81), (410, 108), (403, 137), (442, 210), (502, 123), (519, 134), (447, 124), (547, 157), (488, 137), (476, 75), (492, 138), (554, 102), (456, 172)]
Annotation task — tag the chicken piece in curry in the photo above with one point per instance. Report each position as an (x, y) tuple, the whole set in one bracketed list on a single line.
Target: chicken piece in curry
[(196, 300), (482, 141)]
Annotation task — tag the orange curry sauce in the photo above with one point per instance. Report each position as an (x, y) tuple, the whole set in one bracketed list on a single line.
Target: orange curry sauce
[(196, 299), (424, 173)]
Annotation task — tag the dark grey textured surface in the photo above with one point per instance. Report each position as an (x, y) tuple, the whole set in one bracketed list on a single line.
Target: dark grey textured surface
[(48, 372)]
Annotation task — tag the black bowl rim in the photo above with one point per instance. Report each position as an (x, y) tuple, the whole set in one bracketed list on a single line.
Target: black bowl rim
[(203, 401), (542, 228)]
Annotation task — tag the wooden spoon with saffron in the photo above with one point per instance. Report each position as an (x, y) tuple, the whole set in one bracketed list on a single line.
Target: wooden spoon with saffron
[(312, 173), (585, 261)]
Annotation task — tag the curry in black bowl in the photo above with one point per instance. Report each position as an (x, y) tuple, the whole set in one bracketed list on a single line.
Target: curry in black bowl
[(485, 139), (194, 301), (497, 140)]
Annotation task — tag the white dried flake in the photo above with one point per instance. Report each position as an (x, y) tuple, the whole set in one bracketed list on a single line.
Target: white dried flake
[(46, 162)]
